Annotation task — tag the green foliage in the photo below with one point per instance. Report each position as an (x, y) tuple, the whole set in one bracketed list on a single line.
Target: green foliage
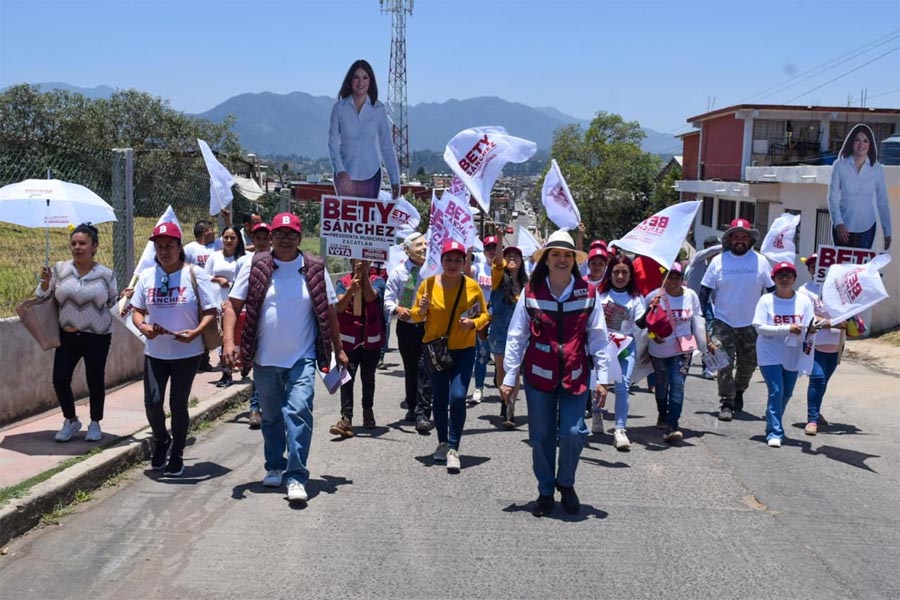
[(664, 193), (609, 175)]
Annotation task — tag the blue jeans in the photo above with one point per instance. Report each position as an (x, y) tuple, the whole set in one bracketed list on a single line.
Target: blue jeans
[(552, 416), (482, 356), (254, 397), (286, 399), (448, 390), (781, 383), (824, 364), (621, 387), (671, 373), (858, 239)]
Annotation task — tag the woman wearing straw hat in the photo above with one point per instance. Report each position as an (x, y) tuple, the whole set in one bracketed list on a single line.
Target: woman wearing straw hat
[(558, 332)]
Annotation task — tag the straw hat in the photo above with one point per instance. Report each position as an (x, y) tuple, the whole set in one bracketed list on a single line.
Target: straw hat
[(562, 240)]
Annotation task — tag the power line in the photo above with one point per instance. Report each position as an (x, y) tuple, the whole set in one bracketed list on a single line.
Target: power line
[(844, 74)]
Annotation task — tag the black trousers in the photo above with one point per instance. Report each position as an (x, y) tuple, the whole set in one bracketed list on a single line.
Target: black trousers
[(409, 341), (157, 374), (365, 361), (93, 348)]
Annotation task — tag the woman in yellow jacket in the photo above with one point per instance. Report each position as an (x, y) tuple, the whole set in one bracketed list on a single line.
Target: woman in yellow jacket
[(451, 302)]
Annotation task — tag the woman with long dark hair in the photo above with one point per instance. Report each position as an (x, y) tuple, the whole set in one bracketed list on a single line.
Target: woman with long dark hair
[(359, 137), (79, 284), (556, 336), (221, 267), (173, 302), (622, 306)]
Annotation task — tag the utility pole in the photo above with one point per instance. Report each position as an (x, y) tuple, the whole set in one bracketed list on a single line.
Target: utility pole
[(396, 105)]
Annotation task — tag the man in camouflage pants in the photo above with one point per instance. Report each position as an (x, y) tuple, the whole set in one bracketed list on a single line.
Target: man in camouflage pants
[(736, 278)]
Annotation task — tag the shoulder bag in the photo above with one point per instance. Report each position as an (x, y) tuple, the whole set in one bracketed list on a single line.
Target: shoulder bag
[(437, 352), (40, 316), (658, 322), (212, 333)]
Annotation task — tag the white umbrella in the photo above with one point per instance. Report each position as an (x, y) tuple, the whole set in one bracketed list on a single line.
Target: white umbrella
[(51, 203)]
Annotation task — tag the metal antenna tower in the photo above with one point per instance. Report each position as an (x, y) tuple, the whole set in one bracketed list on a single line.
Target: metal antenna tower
[(397, 78)]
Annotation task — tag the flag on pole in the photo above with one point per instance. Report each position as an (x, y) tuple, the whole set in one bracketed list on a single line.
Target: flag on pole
[(660, 236), (851, 289), (149, 253), (526, 242), (403, 216), (477, 156), (558, 200), (778, 245), (220, 180)]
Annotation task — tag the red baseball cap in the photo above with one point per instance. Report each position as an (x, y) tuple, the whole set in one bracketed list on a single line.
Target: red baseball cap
[(488, 240), (784, 266), (452, 246), (598, 251), (260, 227), (598, 244), (286, 221), (509, 249), (167, 229)]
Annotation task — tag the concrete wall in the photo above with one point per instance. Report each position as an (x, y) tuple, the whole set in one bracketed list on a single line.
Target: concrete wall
[(27, 371)]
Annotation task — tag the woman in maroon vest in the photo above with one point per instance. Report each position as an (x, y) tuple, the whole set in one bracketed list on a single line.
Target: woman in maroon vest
[(361, 320), (557, 333)]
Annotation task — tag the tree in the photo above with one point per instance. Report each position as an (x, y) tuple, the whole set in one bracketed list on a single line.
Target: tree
[(609, 175), (664, 193)]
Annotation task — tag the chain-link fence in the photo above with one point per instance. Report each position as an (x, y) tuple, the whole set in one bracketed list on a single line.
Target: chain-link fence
[(138, 185)]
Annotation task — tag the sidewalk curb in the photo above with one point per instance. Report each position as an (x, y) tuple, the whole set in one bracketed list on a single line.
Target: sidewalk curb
[(22, 514)]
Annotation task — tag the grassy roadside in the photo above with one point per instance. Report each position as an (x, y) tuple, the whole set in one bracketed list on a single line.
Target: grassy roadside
[(20, 489)]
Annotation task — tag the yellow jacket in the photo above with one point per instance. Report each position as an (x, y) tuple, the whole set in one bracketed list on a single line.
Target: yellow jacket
[(471, 303)]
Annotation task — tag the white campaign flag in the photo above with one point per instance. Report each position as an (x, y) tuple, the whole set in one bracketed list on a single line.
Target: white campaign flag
[(660, 236), (404, 217), (526, 242), (220, 180), (477, 156), (778, 245), (435, 236), (851, 289), (458, 219), (558, 200)]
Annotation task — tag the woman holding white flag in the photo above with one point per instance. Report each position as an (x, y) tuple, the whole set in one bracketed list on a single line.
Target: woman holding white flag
[(557, 334), (359, 137), (783, 321), (622, 306), (829, 341)]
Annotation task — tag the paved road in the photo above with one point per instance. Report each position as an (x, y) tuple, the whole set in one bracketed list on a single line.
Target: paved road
[(719, 516)]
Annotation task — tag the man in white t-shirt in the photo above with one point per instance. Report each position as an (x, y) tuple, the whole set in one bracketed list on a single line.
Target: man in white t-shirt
[(737, 278), (205, 240), (291, 328)]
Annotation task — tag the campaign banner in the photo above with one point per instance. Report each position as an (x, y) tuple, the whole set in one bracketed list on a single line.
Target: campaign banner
[(477, 156), (357, 227), (660, 236), (778, 245), (850, 289), (558, 200), (404, 216), (435, 236), (220, 180), (828, 255)]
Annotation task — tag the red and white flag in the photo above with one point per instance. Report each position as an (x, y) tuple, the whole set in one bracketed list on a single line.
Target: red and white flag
[(778, 245), (220, 180), (660, 237), (477, 156), (851, 289), (558, 200), (403, 216)]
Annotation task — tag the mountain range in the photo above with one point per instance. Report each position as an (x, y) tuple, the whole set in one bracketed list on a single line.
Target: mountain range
[(297, 123)]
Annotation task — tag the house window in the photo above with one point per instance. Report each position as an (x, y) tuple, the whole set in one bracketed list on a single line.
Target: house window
[(823, 229), (748, 211), (706, 217), (726, 213), (838, 130)]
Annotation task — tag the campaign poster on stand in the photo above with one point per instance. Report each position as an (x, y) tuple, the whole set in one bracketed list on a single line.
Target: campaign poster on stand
[(357, 227), (828, 255)]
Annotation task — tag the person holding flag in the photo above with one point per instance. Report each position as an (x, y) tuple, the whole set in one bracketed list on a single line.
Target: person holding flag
[(622, 306), (784, 321), (557, 315)]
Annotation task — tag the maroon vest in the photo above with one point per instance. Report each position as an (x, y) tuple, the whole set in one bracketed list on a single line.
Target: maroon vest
[(261, 270), (556, 353), (367, 329)]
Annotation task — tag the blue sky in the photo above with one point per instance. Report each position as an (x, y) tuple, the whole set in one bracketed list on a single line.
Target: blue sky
[(655, 62)]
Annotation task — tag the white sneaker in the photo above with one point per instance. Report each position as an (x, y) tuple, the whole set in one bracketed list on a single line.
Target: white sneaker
[(774, 443), (272, 479), (477, 395), (93, 433), (596, 422), (70, 427), (453, 465), (620, 441), (296, 491), (440, 455)]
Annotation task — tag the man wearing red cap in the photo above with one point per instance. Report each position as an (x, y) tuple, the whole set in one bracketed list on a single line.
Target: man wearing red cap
[(738, 277), (291, 328)]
